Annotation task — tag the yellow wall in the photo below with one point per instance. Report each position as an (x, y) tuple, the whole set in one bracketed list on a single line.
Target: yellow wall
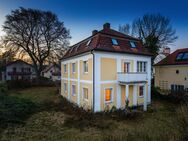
[(86, 104), (108, 69), (86, 76), (168, 75), (74, 75), (63, 93), (73, 98), (62, 71), (114, 98)]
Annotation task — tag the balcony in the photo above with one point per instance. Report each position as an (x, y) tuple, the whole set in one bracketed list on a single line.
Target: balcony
[(19, 73), (131, 77)]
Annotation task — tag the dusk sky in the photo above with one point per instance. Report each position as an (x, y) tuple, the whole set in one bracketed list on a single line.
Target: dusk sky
[(83, 16)]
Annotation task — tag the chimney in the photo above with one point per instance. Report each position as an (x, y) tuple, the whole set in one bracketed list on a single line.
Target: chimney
[(94, 32), (106, 26), (166, 51)]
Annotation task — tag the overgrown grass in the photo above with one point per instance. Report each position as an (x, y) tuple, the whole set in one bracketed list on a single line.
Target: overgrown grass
[(41, 115)]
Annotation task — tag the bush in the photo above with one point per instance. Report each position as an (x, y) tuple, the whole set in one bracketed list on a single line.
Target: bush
[(14, 110), (15, 84), (3, 88)]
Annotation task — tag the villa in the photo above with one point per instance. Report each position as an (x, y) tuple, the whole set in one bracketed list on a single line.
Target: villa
[(105, 70)]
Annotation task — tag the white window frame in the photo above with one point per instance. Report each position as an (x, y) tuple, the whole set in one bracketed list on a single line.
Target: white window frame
[(74, 67), (73, 94), (142, 66), (65, 87), (126, 62), (84, 69), (83, 93), (112, 95), (65, 68)]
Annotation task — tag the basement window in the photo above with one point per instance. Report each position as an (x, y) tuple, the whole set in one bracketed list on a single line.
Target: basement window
[(114, 42)]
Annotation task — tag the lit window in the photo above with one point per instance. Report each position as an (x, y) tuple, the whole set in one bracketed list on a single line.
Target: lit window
[(126, 67), (185, 56), (141, 91), (85, 63), (88, 42), (65, 68), (85, 93), (65, 87), (73, 90), (114, 42), (141, 66), (133, 44), (179, 56), (73, 67), (108, 95)]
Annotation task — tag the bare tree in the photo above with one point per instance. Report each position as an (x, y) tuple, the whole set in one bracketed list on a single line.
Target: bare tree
[(125, 29), (155, 31), (39, 34)]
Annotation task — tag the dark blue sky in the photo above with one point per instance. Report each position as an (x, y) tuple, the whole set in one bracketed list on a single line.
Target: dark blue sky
[(82, 16)]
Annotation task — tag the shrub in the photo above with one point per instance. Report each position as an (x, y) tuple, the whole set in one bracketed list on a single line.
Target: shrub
[(3, 88), (14, 110)]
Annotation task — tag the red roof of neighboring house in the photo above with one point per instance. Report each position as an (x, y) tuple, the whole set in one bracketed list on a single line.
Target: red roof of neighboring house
[(102, 41), (171, 59)]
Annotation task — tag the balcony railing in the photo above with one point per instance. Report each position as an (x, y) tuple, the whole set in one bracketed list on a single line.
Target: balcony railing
[(19, 73), (131, 77)]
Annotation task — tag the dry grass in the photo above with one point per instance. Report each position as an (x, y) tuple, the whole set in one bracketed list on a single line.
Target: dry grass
[(54, 119)]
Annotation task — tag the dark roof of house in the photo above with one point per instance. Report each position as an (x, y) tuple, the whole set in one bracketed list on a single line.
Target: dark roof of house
[(171, 59), (102, 41), (17, 61)]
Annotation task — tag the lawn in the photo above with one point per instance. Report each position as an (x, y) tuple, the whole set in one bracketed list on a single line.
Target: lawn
[(40, 114)]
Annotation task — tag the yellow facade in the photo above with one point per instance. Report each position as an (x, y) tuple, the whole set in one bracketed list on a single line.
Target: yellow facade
[(73, 97), (88, 75), (73, 75), (108, 69), (63, 92), (106, 106), (165, 76), (86, 103)]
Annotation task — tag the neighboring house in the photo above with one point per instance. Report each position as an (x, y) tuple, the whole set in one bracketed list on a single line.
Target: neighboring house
[(18, 70), (171, 73), (52, 72), (106, 69)]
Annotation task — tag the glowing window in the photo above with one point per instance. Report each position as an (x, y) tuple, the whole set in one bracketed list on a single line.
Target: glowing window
[(108, 95)]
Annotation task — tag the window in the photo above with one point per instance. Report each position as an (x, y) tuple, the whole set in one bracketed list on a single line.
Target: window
[(85, 93), (73, 90), (85, 66), (182, 56), (185, 56), (65, 87), (126, 67), (141, 66), (179, 56), (65, 68), (114, 42), (88, 42), (14, 69), (133, 44), (141, 91), (73, 67), (108, 95)]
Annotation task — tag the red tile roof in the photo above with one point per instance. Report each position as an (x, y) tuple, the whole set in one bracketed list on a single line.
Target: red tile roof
[(101, 41), (171, 59)]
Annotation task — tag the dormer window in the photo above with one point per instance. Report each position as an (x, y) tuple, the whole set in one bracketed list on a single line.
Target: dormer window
[(182, 56), (133, 44), (88, 42), (114, 42)]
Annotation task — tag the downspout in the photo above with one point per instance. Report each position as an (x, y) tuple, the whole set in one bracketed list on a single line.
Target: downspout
[(93, 80)]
